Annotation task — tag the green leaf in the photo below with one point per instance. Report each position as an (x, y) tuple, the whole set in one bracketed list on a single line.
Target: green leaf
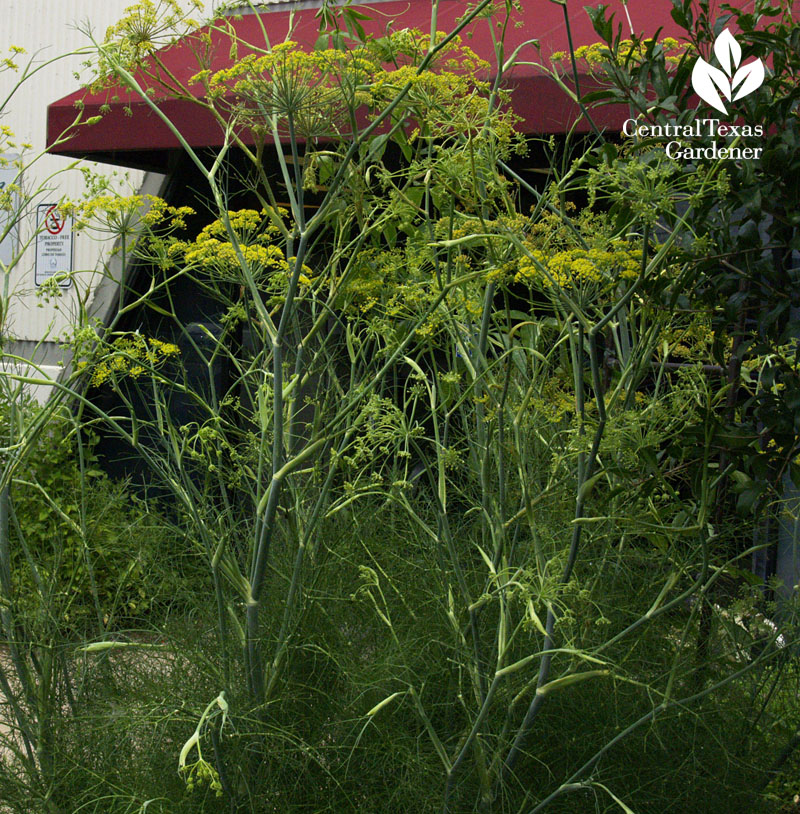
[(390, 233), (377, 147), (616, 799), (402, 140), (604, 27), (588, 486), (378, 707), (414, 194), (101, 647), (568, 681)]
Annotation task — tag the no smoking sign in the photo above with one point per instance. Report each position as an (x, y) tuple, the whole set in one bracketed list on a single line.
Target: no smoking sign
[(54, 244), (54, 221)]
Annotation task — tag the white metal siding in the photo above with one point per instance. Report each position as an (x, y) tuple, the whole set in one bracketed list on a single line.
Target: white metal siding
[(46, 30)]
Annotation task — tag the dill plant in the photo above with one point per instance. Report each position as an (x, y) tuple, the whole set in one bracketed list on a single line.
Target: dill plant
[(453, 504)]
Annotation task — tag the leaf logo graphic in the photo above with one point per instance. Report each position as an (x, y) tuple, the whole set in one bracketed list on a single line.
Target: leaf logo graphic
[(712, 84)]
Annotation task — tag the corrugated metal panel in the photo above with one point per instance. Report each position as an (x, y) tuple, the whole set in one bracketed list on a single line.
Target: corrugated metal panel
[(48, 30)]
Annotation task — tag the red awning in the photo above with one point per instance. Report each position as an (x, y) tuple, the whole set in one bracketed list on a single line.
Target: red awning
[(130, 134)]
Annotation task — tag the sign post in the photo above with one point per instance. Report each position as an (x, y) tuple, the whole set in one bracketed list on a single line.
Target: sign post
[(54, 244)]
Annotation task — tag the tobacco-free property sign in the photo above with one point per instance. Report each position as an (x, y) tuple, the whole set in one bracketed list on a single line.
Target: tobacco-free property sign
[(53, 244)]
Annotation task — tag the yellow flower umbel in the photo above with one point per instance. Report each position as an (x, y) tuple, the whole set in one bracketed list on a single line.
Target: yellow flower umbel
[(131, 355), (122, 214), (145, 28), (628, 51), (315, 93), (7, 63), (213, 253), (308, 92), (577, 267)]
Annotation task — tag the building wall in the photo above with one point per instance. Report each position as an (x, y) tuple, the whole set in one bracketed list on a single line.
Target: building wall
[(47, 30), (35, 326)]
